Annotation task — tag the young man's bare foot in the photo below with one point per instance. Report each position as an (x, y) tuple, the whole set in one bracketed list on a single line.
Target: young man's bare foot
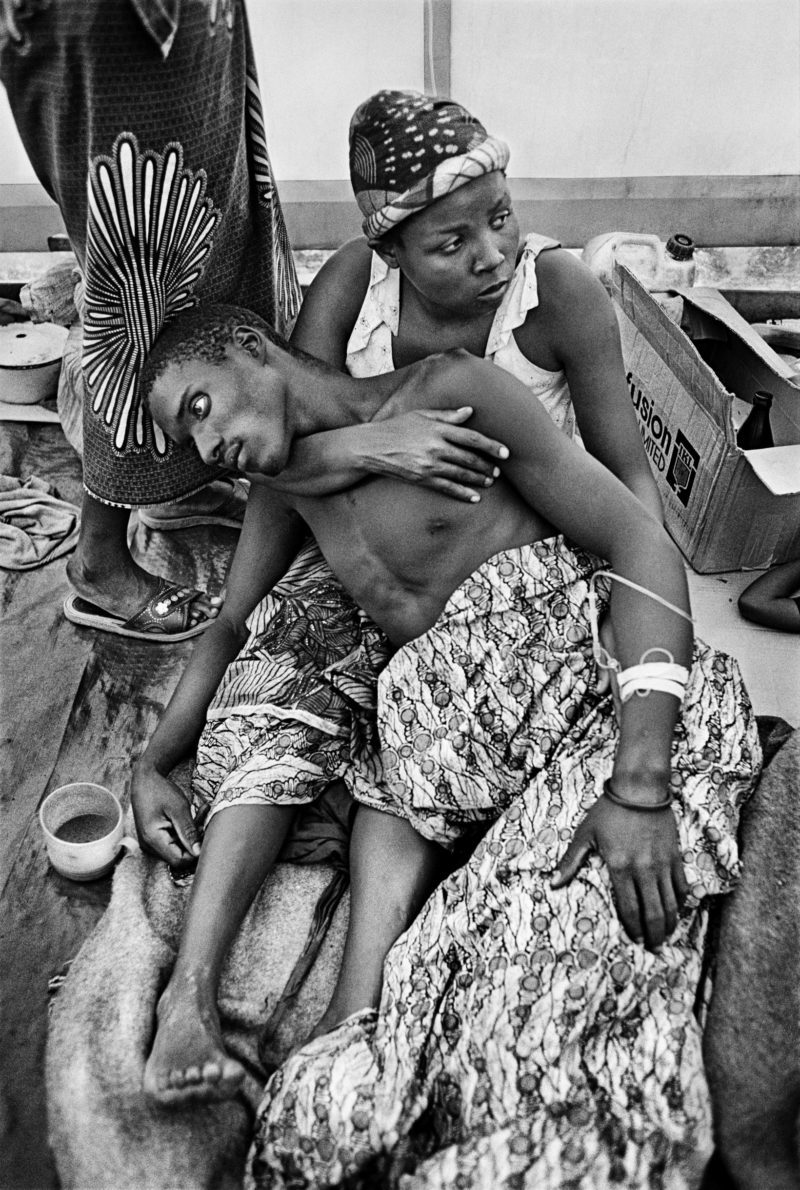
[(188, 1062)]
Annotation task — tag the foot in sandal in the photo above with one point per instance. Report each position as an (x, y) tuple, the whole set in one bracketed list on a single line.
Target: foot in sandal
[(137, 604)]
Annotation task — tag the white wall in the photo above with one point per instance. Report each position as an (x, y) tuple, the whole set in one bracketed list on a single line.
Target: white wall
[(580, 88), (631, 88), (318, 59), (643, 114)]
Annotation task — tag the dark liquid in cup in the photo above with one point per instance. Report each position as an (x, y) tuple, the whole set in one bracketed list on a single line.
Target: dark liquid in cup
[(85, 828)]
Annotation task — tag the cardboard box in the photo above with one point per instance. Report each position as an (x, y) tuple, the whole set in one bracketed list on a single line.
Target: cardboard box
[(726, 509)]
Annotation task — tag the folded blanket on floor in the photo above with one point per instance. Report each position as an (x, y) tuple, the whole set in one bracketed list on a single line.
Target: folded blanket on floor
[(102, 1130), (35, 525)]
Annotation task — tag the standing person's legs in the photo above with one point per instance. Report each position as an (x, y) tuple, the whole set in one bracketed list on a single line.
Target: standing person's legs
[(164, 118), (103, 572)]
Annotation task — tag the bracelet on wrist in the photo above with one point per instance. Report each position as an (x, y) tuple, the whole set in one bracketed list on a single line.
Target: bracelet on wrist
[(630, 805)]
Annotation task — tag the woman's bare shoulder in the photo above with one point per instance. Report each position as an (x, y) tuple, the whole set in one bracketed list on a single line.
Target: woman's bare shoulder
[(573, 305), (351, 264), (564, 279)]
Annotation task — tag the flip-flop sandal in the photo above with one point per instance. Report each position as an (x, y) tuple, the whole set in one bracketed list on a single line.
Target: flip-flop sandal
[(163, 618), (228, 513)]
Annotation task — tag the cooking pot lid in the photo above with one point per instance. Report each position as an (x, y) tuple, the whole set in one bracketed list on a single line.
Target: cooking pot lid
[(31, 344)]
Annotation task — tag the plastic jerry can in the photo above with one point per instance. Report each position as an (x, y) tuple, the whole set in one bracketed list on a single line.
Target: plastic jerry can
[(658, 266)]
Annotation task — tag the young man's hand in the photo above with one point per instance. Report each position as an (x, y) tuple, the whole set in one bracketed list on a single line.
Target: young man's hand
[(163, 818), (641, 851)]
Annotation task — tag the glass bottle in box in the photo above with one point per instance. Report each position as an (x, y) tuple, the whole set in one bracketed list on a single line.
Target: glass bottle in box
[(755, 432)]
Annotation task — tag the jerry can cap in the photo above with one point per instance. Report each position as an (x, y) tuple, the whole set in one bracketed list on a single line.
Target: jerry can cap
[(680, 247)]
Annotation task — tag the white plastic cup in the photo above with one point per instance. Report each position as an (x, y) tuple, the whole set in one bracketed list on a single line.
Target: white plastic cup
[(82, 824)]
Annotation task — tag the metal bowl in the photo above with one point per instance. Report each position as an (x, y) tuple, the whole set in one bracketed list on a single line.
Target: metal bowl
[(30, 360)]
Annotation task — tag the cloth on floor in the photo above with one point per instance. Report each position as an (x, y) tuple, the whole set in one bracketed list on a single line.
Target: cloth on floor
[(35, 525), (102, 1130), (50, 297)]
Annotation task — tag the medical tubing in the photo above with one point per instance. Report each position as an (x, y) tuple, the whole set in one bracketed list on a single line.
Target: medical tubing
[(666, 676)]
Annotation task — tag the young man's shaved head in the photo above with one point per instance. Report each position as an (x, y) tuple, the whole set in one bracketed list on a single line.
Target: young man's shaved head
[(205, 332)]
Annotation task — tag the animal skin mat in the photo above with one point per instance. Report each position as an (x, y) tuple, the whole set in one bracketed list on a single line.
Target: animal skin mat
[(104, 1134)]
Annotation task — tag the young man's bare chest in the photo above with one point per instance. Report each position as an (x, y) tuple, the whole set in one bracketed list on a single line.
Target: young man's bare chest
[(402, 549)]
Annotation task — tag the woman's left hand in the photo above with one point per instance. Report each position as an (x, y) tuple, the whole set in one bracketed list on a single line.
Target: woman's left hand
[(641, 851), (434, 448)]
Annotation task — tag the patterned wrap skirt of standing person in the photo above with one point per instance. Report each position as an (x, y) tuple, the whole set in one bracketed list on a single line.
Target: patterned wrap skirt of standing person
[(142, 120)]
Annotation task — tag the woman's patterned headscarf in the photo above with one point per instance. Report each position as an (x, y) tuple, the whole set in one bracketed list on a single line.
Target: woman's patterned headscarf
[(407, 150)]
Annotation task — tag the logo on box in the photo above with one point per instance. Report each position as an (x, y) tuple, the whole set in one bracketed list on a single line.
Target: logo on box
[(682, 468), (680, 461)]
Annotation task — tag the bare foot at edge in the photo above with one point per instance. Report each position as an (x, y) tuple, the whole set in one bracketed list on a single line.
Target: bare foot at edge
[(188, 1062)]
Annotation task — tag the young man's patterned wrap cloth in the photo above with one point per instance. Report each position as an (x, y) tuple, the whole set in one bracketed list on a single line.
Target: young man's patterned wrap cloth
[(143, 121), (279, 726), (522, 1039)]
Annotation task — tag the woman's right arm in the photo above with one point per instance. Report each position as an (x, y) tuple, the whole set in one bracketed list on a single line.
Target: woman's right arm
[(332, 304), (159, 808), (433, 447)]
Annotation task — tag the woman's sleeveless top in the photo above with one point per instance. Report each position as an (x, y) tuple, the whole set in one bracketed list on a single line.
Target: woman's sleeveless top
[(369, 349)]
